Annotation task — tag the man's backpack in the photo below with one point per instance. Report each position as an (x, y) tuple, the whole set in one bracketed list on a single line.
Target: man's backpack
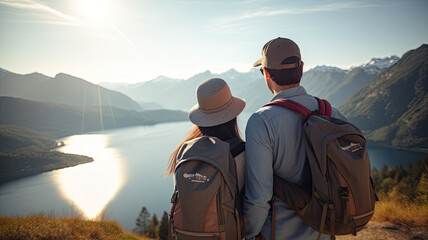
[(337, 196), (206, 202)]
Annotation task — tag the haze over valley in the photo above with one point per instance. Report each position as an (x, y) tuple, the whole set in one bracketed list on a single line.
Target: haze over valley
[(385, 97)]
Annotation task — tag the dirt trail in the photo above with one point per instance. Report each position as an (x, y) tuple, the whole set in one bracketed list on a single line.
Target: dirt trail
[(388, 231)]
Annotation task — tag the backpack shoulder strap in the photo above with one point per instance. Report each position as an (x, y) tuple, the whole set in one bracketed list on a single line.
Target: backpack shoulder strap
[(237, 146), (325, 107), (292, 105)]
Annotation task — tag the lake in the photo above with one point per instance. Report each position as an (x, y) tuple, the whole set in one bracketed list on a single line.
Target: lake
[(127, 174)]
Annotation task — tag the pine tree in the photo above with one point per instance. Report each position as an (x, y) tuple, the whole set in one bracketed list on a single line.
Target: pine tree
[(163, 228), (384, 171), (152, 230), (422, 190), (142, 222)]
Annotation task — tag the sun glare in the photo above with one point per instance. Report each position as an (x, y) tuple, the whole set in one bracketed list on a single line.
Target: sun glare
[(91, 186), (94, 10)]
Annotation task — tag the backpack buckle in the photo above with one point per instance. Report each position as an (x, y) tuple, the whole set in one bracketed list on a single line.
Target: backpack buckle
[(174, 197)]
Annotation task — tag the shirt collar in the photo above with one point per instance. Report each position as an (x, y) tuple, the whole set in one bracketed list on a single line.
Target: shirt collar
[(290, 92)]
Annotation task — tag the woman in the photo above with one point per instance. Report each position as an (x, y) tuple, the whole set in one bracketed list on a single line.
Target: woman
[(206, 203), (214, 116)]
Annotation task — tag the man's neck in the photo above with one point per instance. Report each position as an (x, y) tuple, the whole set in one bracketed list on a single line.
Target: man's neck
[(278, 88)]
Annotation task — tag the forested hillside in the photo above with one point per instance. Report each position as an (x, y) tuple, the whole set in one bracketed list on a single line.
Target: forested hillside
[(393, 108), (26, 152)]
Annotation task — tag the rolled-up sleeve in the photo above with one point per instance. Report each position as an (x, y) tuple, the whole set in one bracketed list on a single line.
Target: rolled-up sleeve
[(259, 175)]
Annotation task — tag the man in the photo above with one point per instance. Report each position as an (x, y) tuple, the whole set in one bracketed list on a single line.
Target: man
[(275, 143)]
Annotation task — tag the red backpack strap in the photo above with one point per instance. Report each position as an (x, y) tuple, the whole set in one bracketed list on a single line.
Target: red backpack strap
[(325, 107), (292, 105)]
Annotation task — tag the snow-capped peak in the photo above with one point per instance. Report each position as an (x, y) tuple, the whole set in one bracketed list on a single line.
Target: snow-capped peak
[(376, 65), (324, 68)]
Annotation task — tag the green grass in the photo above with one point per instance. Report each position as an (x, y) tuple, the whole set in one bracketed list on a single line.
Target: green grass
[(42, 227)]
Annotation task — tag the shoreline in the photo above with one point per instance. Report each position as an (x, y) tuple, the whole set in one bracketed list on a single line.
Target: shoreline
[(56, 162), (373, 144)]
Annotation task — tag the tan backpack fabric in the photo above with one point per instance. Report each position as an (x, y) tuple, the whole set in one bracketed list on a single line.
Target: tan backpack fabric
[(206, 202)]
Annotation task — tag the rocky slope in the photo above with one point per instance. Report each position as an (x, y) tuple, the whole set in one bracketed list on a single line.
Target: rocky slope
[(393, 108)]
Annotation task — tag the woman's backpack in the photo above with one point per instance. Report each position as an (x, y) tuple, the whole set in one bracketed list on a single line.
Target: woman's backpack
[(206, 203), (338, 195)]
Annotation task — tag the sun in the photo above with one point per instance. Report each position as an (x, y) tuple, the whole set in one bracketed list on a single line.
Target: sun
[(94, 10)]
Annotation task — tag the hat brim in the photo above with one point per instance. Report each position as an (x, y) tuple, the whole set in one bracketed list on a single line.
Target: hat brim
[(257, 63), (202, 119)]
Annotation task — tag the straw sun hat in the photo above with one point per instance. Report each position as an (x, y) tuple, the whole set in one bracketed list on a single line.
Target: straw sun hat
[(216, 105)]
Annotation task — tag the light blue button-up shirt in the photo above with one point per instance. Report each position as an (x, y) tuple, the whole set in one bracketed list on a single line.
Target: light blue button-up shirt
[(274, 142)]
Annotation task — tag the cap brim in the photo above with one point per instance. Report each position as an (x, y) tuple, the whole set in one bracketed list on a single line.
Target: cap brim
[(202, 119), (257, 63)]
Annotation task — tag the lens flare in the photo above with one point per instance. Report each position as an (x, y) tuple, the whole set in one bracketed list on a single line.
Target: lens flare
[(94, 10)]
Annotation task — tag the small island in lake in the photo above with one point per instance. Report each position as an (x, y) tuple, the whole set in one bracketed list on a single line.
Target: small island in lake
[(25, 152)]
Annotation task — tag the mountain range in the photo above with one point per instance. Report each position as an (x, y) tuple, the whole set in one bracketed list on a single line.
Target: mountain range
[(385, 97), (61, 120), (66, 105), (179, 93), (337, 84), (63, 88), (326, 82), (393, 107)]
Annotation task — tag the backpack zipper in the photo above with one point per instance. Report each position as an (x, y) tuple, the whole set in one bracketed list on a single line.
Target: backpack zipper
[(351, 195), (219, 208)]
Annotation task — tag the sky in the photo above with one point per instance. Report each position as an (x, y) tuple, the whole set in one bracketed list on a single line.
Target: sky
[(138, 40)]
